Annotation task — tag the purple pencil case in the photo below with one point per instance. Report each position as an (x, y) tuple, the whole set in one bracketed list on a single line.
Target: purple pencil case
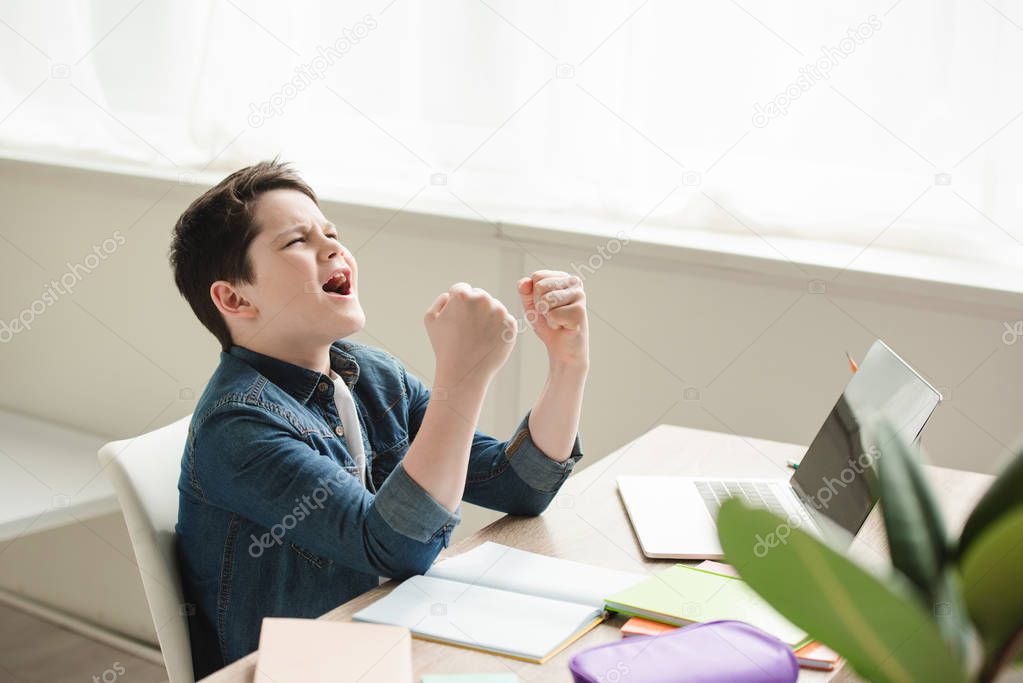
[(714, 652)]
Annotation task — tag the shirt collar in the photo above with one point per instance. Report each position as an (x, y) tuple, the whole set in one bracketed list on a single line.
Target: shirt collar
[(301, 382)]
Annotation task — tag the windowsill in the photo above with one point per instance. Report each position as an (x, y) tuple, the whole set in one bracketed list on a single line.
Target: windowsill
[(987, 290), (51, 474)]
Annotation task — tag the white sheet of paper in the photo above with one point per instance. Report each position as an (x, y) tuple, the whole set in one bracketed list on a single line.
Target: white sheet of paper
[(477, 616), (500, 566)]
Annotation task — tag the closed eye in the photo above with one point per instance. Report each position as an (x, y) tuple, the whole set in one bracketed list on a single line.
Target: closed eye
[(334, 236)]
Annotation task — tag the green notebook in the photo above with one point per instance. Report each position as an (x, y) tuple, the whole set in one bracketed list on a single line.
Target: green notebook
[(683, 594)]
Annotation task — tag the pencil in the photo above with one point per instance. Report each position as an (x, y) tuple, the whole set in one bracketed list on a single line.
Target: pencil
[(852, 363)]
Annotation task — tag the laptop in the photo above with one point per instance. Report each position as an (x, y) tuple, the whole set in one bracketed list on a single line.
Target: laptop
[(673, 517)]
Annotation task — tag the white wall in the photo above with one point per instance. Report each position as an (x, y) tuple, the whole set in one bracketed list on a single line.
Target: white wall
[(123, 354)]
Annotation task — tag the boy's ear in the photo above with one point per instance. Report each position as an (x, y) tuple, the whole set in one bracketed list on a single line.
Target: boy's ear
[(230, 302)]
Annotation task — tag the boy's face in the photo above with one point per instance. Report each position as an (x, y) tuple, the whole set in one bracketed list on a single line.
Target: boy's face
[(305, 290)]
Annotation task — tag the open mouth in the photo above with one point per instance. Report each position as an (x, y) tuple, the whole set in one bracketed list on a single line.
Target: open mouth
[(338, 284)]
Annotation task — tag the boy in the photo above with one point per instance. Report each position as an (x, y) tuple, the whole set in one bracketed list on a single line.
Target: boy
[(314, 465)]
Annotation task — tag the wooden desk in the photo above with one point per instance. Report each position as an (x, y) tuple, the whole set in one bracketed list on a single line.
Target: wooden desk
[(587, 523)]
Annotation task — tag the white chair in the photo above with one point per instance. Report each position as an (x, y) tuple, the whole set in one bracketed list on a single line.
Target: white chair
[(144, 472)]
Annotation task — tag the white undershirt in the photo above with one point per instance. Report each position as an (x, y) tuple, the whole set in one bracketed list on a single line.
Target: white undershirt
[(350, 421)]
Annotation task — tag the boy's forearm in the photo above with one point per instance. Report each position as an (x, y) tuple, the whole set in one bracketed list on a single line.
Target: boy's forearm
[(554, 420), (438, 457)]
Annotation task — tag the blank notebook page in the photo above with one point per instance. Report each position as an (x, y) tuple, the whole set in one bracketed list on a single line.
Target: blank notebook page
[(499, 566), (476, 616)]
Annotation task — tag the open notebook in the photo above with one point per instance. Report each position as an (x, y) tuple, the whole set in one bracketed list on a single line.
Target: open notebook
[(502, 600)]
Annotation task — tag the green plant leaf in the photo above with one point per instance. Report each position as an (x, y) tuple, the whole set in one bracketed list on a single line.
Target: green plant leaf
[(991, 569), (1003, 496), (917, 537), (916, 529), (877, 626), (953, 619)]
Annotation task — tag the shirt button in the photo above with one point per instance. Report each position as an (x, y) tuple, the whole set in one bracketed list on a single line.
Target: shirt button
[(323, 386), (339, 430)]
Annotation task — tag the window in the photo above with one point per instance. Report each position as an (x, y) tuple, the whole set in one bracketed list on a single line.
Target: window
[(892, 123)]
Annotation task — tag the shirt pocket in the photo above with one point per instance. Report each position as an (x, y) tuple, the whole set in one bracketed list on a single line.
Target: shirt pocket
[(330, 445), (386, 459), (312, 558)]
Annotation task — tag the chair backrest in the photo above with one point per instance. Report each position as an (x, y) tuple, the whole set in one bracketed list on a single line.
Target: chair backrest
[(144, 471)]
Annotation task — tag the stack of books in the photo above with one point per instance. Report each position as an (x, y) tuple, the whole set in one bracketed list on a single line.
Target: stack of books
[(686, 594)]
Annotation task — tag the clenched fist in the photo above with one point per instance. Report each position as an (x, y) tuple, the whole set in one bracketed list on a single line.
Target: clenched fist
[(555, 306), (469, 332)]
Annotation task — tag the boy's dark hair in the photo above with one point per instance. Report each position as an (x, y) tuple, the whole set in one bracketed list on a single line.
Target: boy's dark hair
[(212, 237)]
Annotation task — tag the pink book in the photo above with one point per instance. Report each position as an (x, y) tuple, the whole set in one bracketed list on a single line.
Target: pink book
[(316, 651)]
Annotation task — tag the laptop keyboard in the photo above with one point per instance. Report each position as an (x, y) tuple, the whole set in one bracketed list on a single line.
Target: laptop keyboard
[(755, 493)]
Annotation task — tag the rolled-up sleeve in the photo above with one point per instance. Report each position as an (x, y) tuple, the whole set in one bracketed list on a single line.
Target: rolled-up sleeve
[(410, 510), (534, 466), (513, 476)]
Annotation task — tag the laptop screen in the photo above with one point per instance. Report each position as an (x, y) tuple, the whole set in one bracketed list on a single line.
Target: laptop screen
[(836, 476)]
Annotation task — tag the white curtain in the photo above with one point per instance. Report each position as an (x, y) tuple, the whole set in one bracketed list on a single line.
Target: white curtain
[(891, 123)]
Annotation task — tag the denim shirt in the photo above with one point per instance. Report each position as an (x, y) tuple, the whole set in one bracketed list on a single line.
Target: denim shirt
[(273, 520)]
